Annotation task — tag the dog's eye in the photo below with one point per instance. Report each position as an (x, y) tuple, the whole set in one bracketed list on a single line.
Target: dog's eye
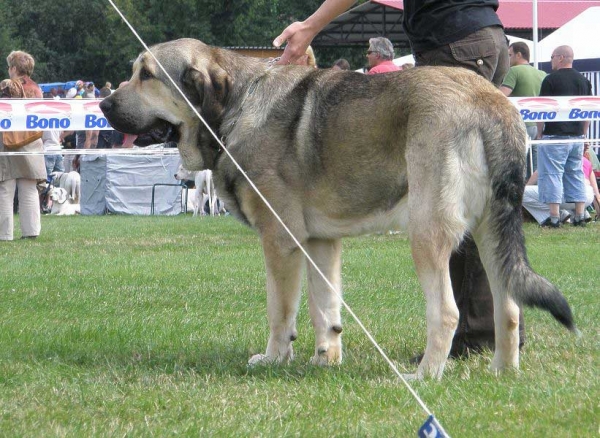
[(145, 75)]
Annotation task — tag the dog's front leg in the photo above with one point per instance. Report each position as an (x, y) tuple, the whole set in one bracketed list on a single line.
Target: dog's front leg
[(284, 267), (431, 263), (324, 303)]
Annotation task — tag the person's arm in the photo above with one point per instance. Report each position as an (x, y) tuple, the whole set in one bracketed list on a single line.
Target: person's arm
[(586, 126), (507, 91), (300, 34), (533, 179), (545, 90), (594, 184), (540, 130), (91, 139)]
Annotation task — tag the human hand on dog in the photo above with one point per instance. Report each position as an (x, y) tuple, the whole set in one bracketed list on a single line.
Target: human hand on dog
[(298, 38), (300, 34)]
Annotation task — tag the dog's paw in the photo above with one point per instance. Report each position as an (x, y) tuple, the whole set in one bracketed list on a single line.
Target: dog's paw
[(327, 356), (260, 360), (412, 377)]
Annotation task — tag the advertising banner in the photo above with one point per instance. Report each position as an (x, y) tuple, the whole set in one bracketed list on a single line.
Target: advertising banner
[(85, 114), (48, 114)]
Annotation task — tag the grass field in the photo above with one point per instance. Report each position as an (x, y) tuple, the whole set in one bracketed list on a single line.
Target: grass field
[(142, 326)]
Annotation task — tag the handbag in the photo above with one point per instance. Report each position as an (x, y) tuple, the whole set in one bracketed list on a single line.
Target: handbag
[(16, 139)]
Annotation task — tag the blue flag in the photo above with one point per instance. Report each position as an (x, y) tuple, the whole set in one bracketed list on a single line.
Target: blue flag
[(432, 429)]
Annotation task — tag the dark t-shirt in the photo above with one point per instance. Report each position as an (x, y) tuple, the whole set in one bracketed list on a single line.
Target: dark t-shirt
[(80, 139), (430, 24), (565, 82), (104, 139)]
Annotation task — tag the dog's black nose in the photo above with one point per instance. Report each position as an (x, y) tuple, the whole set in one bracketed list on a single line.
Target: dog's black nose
[(106, 106)]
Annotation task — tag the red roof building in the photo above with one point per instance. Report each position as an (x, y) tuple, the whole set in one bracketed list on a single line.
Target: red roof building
[(384, 18)]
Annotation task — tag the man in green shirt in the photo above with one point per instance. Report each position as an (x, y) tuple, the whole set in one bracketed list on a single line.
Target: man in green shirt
[(523, 80)]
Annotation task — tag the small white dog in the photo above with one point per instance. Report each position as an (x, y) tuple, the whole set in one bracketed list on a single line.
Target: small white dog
[(205, 190), (62, 203), (70, 181)]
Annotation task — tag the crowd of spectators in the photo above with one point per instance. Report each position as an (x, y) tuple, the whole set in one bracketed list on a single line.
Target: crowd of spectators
[(568, 179)]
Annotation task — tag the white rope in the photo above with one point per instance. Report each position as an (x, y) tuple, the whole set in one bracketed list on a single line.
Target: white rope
[(309, 259), (103, 152)]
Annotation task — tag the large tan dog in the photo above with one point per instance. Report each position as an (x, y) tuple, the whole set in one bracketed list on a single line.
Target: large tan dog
[(337, 154)]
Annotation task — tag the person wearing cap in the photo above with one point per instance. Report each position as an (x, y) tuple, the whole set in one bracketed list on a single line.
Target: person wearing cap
[(80, 86), (89, 91), (380, 56)]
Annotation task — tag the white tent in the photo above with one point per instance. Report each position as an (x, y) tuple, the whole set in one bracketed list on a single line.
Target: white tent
[(582, 33), (514, 39), (404, 60)]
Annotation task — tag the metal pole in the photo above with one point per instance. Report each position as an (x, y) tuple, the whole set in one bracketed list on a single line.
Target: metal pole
[(535, 33)]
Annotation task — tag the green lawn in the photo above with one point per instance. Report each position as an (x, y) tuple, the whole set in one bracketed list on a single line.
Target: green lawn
[(142, 326)]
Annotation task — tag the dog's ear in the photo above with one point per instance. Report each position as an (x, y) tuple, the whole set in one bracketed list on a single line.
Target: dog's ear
[(207, 88), (62, 196)]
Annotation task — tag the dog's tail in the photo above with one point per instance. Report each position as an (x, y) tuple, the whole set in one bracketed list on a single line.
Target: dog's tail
[(505, 150)]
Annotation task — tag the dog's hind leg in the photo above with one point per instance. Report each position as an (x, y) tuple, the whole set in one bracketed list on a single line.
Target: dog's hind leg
[(210, 190), (324, 304), (284, 269), (506, 310)]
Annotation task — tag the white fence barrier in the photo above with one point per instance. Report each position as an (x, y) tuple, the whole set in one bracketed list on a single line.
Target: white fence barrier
[(85, 114)]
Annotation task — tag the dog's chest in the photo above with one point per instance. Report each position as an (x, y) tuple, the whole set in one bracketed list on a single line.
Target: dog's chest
[(319, 225)]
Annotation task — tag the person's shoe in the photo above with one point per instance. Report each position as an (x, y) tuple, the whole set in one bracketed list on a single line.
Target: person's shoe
[(549, 224), (564, 216), (579, 223), (28, 237)]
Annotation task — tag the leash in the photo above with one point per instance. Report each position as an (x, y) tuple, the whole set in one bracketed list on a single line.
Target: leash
[(431, 428)]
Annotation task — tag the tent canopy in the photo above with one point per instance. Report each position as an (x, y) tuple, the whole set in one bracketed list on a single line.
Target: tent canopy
[(582, 33), (384, 18)]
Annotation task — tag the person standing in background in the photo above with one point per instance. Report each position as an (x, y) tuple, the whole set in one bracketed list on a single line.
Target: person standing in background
[(523, 80), (559, 165), (21, 172), (341, 64), (380, 56)]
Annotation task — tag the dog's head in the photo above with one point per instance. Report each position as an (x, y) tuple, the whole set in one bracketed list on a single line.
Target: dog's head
[(59, 195), (183, 174), (150, 102)]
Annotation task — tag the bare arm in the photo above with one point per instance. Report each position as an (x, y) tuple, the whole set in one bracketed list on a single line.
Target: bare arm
[(507, 91), (586, 126), (300, 34), (594, 184), (540, 130), (533, 179), (91, 139)]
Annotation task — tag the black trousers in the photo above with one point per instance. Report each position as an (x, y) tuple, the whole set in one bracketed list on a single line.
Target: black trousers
[(474, 300)]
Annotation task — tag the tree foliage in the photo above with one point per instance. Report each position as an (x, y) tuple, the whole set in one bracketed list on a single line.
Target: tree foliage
[(87, 39)]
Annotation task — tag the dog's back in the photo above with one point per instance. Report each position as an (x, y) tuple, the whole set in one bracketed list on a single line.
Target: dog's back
[(70, 181)]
